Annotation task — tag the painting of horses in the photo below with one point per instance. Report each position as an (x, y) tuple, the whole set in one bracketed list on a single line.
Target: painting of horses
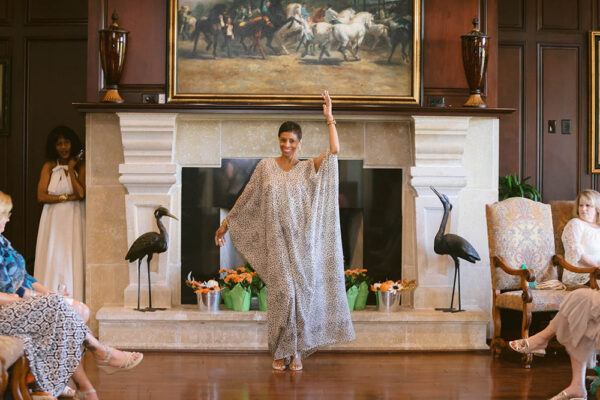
[(274, 51)]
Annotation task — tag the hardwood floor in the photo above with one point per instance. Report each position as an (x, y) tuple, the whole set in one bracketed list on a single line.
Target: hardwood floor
[(353, 376)]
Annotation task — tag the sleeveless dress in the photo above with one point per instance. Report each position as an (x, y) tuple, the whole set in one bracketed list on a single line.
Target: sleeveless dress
[(286, 224), (60, 248), (580, 238), (53, 333)]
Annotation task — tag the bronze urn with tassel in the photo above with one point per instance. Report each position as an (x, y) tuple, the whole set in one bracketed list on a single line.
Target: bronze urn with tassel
[(113, 44), (475, 57)]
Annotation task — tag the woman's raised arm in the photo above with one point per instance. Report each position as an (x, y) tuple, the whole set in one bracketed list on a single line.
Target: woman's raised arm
[(334, 142)]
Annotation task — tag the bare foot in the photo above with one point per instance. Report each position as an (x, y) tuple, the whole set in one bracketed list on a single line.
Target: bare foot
[(279, 365), (296, 364)]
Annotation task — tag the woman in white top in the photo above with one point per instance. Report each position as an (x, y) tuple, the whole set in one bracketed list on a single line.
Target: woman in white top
[(59, 257), (581, 237)]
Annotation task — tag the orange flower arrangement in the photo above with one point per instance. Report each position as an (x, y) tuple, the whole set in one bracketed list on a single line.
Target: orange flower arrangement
[(242, 275), (397, 286), (202, 287), (354, 277)]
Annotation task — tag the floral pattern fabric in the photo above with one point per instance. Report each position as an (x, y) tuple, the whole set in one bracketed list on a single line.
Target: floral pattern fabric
[(13, 275), (520, 231), (286, 224), (543, 300), (580, 238)]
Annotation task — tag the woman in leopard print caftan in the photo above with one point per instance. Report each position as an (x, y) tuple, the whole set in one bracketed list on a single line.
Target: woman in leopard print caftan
[(286, 224)]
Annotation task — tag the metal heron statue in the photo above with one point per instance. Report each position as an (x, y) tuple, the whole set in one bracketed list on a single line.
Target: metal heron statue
[(147, 245), (454, 246)]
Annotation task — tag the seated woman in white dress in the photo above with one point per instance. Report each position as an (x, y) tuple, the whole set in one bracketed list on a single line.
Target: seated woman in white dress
[(581, 237), (577, 324)]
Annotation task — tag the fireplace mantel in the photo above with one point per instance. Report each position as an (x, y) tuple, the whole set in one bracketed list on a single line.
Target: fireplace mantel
[(135, 154)]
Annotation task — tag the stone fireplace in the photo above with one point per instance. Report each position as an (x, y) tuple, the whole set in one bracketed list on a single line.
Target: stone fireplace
[(135, 162)]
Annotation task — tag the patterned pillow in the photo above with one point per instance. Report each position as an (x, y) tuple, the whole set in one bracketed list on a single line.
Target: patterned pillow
[(520, 231)]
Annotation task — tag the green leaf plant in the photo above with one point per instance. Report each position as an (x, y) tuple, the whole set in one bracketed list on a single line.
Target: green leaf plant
[(510, 186)]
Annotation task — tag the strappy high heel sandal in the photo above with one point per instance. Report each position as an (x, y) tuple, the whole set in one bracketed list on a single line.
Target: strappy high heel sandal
[(130, 361), (67, 393), (522, 346), (42, 396), (564, 396), (82, 394)]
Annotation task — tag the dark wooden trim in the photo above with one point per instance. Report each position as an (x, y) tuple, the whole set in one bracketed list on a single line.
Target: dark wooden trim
[(285, 108), (29, 21), (8, 9)]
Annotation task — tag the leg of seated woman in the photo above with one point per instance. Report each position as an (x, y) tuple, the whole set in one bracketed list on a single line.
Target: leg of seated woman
[(577, 386), (82, 310), (100, 352), (83, 383)]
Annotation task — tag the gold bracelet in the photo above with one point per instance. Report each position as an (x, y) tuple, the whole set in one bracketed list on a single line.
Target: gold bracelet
[(63, 197), (332, 122), (224, 223)]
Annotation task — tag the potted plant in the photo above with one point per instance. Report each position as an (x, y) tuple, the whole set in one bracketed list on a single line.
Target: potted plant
[(351, 288), (510, 186), (359, 278), (389, 293), (226, 283), (207, 293), (240, 292)]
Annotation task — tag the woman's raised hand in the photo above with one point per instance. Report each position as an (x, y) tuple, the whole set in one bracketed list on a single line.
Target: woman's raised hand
[(327, 107)]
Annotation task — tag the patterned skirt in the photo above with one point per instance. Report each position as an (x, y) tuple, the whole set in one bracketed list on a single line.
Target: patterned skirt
[(53, 334)]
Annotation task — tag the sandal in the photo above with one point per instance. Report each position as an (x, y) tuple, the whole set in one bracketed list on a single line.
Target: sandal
[(279, 365), (522, 346), (564, 396), (130, 361), (68, 392), (82, 394)]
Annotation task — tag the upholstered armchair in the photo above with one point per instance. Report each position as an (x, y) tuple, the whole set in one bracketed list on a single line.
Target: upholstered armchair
[(520, 232)]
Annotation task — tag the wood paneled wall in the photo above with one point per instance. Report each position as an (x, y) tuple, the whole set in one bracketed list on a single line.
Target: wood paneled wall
[(543, 73), (444, 22), (45, 44)]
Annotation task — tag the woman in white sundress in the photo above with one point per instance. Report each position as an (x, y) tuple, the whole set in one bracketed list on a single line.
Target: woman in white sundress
[(286, 224), (59, 257)]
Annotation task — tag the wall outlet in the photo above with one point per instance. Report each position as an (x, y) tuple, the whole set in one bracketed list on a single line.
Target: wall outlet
[(150, 98)]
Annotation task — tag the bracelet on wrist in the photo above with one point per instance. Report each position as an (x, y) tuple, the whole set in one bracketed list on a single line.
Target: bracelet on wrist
[(224, 224), (63, 197), (331, 122)]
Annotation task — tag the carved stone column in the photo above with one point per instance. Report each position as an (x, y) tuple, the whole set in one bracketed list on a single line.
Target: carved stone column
[(439, 148), (150, 175)]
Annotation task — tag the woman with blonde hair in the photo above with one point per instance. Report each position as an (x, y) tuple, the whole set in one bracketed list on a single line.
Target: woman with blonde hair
[(581, 237), (54, 343)]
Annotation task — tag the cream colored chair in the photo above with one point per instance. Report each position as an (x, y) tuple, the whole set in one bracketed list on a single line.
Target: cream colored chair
[(520, 232)]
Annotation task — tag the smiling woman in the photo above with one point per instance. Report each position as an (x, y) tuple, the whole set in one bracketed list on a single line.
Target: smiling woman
[(286, 224), (60, 242)]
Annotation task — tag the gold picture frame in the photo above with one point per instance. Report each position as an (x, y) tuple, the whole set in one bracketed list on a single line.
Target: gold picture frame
[(267, 75), (594, 96)]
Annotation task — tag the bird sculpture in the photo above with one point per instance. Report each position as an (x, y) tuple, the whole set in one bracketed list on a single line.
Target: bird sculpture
[(454, 246), (147, 245)]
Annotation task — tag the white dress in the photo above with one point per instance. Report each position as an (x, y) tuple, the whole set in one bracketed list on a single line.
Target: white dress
[(580, 238), (60, 248)]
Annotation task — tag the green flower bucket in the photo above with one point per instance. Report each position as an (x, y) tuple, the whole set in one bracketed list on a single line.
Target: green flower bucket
[(361, 298), (262, 299), (226, 295), (377, 298), (351, 296), (240, 298)]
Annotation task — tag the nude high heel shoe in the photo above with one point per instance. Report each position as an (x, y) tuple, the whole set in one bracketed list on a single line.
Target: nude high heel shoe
[(130, 361)]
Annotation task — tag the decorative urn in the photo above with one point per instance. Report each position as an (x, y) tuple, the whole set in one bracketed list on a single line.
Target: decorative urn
[(113, 43), (475, 57)]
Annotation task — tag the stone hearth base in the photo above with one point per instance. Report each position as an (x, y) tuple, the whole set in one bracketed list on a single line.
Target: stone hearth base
[(186, 328)]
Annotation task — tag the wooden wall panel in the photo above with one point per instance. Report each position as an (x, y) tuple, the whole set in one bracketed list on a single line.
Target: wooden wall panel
[(511, 93), (511, 15), (56, 12), (48, 104), (558, 15), (559, 101)]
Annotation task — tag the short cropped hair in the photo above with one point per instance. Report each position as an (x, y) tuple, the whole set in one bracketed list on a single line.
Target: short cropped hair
[(5, 204), (290, 126)]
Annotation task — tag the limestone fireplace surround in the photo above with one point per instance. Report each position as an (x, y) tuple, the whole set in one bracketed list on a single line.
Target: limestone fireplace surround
[(134, 161)]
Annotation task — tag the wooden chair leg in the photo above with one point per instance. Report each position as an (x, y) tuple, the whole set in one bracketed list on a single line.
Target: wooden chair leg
[(496, 345), (20, 369), (526, 359), (3, 379)]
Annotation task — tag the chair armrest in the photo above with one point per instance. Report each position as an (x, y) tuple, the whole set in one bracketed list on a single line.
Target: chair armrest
[(527, 275), (593, 271)]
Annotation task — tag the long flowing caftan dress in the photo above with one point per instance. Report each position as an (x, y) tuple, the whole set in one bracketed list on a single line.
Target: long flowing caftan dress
[(286, 224)]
